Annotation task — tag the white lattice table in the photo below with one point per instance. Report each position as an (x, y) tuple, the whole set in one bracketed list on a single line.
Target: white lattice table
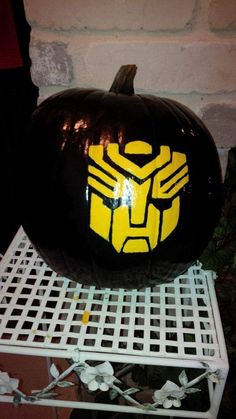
[(172, 325)]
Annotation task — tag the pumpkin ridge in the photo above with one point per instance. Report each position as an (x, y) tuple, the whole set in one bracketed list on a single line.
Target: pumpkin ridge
[(177, 109), (100, 99), (173, 111)]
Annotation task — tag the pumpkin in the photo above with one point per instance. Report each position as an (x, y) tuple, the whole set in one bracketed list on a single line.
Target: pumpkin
[(120, 189)]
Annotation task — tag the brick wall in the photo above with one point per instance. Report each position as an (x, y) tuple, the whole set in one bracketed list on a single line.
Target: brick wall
[(184, 49)]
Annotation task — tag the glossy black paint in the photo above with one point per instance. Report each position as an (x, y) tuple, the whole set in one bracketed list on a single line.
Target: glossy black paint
[(55, 212)]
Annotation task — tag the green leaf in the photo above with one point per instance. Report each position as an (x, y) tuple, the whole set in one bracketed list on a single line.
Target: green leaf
[(17, 399), (113, 394), (65, 384), (183, 379), (148, 406), (192, 390), (54, 371), (130, 391)]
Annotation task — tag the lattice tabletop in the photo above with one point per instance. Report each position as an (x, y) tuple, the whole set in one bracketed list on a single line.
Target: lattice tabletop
[(41, 310), (175, 325)]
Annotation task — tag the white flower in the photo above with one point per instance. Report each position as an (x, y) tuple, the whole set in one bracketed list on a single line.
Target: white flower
[(169, 395), (99, 377), (7, 384), (214, 377)]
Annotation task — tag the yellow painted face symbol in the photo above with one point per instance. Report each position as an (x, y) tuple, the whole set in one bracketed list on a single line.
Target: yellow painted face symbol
[(132, 207)]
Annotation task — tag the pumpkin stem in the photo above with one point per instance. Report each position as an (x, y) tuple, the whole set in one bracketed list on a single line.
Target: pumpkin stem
[(124, 80)]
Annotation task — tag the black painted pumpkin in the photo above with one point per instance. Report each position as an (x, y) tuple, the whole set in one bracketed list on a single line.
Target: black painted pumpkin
[(120, 189)]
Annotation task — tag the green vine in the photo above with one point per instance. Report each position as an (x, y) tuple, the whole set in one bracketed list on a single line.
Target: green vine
[(220, 254)]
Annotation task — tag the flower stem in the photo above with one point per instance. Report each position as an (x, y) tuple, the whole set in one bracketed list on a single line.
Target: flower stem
[(53, 383), (197, 380), (126, 396)]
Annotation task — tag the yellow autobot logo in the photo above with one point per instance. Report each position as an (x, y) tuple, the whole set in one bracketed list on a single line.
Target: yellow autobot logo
[(125, 198)]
